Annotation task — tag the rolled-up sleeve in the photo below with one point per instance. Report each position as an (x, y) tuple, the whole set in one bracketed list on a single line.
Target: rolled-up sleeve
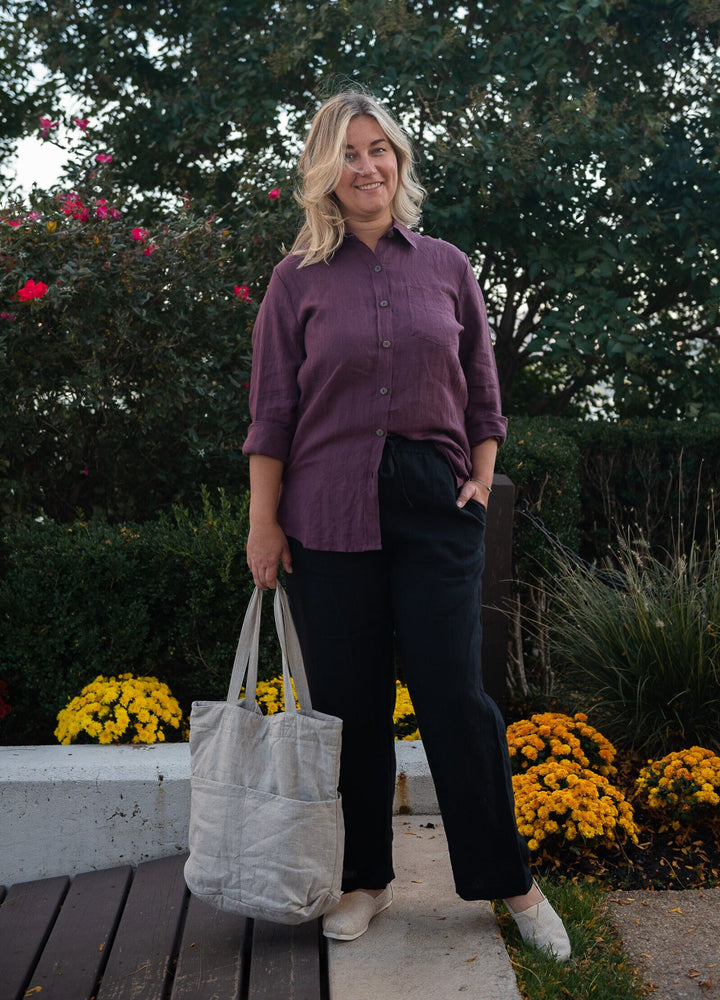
[(483, 413), (278, 352)]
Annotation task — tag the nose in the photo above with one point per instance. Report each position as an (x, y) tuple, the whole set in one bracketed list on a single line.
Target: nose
[(366, 165)]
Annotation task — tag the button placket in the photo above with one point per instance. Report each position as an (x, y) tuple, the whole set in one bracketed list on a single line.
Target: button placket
[(384, 367)]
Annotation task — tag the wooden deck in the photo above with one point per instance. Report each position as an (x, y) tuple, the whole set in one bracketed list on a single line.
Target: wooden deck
[(137, 934)]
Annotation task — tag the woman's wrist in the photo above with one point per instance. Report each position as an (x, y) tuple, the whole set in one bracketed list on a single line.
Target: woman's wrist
[(481, 482)]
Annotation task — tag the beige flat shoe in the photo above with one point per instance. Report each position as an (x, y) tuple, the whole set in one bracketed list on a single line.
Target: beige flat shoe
[(351, 917), (541, 927)]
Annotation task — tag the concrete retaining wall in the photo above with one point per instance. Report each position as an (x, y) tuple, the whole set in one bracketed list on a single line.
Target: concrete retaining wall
[(65, 810)]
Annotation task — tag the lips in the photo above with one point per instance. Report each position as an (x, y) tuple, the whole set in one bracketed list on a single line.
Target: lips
[(369, 187)]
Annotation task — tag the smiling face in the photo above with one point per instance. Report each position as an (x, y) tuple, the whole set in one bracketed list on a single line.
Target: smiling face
[(369, 179)]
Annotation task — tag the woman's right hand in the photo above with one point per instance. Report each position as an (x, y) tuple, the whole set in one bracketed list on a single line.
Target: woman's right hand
[(267, 546)]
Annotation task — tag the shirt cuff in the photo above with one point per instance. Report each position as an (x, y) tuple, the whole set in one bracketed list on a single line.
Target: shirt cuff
[(487, 427), (268, 439)]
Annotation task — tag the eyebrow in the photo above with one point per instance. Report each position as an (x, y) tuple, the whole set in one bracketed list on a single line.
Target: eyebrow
[(373, 143)]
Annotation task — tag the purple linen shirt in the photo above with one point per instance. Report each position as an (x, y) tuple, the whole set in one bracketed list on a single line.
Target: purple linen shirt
[(345, 353)]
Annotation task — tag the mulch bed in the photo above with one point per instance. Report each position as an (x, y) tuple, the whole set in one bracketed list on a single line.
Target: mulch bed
[(658, 861)]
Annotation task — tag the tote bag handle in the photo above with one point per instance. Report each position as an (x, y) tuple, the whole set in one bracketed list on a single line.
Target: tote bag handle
[(246, 655)]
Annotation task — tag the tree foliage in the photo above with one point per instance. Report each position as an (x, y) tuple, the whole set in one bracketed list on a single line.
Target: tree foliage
[(571, 148), (20, 93)]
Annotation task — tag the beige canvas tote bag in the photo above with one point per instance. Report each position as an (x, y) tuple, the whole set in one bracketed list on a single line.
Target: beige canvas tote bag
[(266, 826)]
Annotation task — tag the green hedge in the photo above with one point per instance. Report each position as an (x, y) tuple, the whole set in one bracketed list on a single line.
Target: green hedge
[(591, 481), (165, 598), (543, 462), (660, 477)]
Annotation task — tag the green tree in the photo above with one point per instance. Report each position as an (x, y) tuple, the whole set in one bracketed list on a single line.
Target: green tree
[(23, 99), (570, 147)]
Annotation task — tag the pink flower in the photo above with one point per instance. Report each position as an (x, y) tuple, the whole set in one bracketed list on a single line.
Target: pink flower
[(82, 123), (85, 471), (72, 205), (139, 234), (102, 211), (46, 124), (103, 158), (13, 222), (148, 250), (243, 293), (32, 290), (32, 216), (8, 316), (274, 194)]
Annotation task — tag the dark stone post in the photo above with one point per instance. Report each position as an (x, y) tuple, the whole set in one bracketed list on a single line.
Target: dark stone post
[(497, 588)]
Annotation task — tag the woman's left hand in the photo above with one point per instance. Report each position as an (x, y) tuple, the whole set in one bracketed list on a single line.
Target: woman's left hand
[(473, 490)]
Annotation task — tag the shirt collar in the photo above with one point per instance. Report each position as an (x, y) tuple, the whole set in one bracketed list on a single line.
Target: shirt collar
[(411, 237), (397, 227)]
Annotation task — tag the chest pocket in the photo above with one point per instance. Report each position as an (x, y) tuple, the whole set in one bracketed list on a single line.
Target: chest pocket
[(431, 315)]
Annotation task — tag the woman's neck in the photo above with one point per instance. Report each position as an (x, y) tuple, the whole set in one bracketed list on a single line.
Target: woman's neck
[(369, 232)]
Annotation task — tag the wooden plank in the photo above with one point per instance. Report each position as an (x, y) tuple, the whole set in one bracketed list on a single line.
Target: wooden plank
[(26, 919), (76, 951), (285, 962), (211, 957), (140, 965)]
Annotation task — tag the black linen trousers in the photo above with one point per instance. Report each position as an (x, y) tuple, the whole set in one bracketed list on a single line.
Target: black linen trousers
[(419, 597)]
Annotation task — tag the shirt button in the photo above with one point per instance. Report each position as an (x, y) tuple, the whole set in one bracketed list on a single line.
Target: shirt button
[(378, 268), (384, 303), (383, 391), (380, 432), (386, 343)]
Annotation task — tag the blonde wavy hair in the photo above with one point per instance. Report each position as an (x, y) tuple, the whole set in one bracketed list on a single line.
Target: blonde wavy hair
[(321, 165)]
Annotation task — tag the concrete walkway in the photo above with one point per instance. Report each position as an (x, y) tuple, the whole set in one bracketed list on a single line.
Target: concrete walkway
[(673, 937), (429, 943)]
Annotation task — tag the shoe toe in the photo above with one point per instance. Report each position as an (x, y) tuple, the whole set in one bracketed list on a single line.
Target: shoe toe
[(351, 917), (542, 927)]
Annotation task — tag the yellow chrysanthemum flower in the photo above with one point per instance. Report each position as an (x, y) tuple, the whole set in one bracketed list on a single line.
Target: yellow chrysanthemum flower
[(561, 801), (684, 786), (122, 709), (552, 735)]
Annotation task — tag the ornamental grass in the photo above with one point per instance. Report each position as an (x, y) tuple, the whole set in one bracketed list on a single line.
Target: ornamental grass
[(562, 803), (122, 709), (552, 735), (683, 788), (645, 653)]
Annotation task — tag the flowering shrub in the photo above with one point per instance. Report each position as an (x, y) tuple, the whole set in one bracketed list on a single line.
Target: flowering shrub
[(560, 802), (123, 709), (551, 735), (124, 354), (684, 786)]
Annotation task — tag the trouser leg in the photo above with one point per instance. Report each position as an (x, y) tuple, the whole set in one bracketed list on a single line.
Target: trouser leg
[(435, 552), (341, 607)]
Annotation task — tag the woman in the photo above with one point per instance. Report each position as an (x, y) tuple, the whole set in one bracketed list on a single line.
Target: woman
[(375, 423)]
